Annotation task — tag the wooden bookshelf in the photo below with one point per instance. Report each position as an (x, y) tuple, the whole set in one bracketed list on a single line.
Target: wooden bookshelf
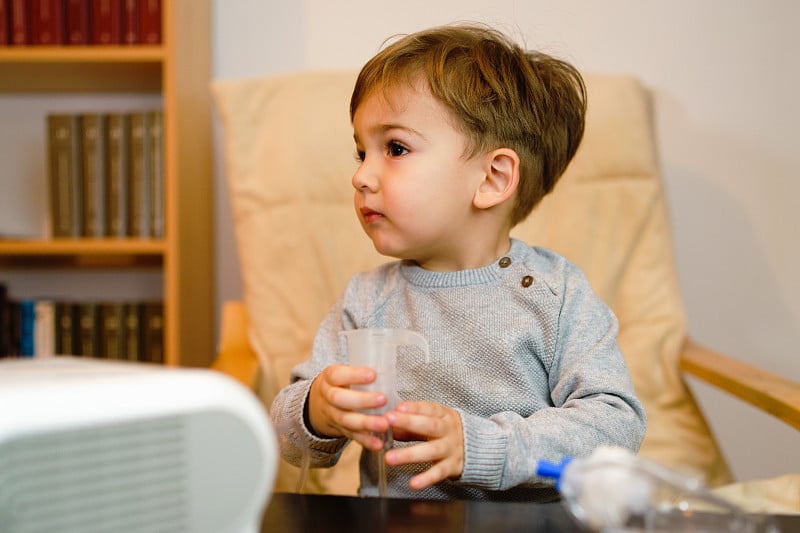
[(81, 68), (178, 70)]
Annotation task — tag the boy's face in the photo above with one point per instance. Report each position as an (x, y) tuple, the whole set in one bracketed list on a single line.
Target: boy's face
[(414, 187)]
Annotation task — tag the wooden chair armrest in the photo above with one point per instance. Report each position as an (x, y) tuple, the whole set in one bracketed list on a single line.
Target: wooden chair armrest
[(236, 357), (760, 388)]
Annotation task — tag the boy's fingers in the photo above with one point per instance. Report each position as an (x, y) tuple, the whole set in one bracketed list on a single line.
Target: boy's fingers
[(370, 441), (352, 400), (424, 426), (344, 375), (424, 452), (433, 475), (356, 422), (421, 408)]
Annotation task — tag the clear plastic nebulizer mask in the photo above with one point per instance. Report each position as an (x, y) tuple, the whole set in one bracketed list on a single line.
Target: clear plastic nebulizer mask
[(614, 490), (376, 348)]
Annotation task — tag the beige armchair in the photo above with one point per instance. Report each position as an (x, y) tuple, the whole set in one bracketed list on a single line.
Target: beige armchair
[(289, 156)]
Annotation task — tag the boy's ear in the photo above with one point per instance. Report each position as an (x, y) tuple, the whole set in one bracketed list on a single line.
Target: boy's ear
[(501, 177)]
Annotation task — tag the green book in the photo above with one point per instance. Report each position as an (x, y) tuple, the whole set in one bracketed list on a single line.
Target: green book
[(132, 325), (112, 332), (156, 140), (118, 174), (94, 128), (87, 330), (139, 200), (65, 328), (153, 331), (64, 174)]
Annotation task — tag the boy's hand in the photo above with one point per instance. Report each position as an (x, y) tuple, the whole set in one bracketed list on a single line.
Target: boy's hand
[(440, 428), (333, 408)]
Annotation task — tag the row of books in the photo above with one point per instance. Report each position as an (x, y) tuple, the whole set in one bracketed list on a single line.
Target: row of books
[(106, 174), (79, 22), (131, 331)]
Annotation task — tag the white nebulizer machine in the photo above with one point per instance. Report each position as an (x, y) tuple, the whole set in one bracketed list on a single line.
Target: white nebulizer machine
[(96, 446), (614, 490)]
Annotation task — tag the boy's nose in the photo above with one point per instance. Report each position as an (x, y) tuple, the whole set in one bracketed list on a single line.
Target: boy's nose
[(364, 179)]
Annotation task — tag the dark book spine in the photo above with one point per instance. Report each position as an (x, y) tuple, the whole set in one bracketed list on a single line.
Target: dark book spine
[(77, 14), (94, 128), (27, 324), (153, 324), (20, 22), (106, 22), (5, 22), (139, 192), (156, 139), (130, 22), (5, 322), (150, 21), (64, 148), (112, 340), (118, 175), (14, 326), (87, 329), (66, 338), (132, 324), (47, 22)]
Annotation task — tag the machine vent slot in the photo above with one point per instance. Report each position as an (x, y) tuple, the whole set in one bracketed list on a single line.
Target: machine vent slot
[(127, 477)]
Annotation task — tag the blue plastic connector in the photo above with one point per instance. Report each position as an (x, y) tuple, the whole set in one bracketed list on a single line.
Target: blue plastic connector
[(552, 470)]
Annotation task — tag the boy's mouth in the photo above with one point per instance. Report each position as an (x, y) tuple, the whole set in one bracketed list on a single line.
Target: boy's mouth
[(370, 215)]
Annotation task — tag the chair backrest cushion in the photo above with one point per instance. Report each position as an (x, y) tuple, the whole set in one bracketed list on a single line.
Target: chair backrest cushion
[(289, 156)]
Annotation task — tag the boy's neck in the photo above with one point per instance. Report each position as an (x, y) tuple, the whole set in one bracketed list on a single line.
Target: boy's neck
[(470, 255)]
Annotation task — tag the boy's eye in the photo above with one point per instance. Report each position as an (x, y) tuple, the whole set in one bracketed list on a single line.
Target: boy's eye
[(396, 149), (360, 154)]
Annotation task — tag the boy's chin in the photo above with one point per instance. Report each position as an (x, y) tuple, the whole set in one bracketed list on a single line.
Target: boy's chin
[(388, 250)]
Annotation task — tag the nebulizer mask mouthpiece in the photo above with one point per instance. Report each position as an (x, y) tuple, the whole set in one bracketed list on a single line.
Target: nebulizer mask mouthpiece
[(614, 490)]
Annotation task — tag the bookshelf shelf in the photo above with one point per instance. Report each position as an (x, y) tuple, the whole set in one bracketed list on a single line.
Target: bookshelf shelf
[(82, 54), (175, 74), (81, 68), (76, 247)]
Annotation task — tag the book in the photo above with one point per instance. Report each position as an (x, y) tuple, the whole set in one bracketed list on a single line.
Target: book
[(150, 21), (155, 137), (139, 201), (5, 23), (106, 19), (112, 332), (94, 127), (77, 22), (132, 325), (27, 324), (5, 322), (44, 328), (47, 22), (20, 22), (87, 330), (117, 175), (14, 310), (66, 339), (153, 331), (130, 22), (64, 168)]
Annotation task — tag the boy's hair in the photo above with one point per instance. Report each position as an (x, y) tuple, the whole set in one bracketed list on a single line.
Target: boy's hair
[(499, 95)]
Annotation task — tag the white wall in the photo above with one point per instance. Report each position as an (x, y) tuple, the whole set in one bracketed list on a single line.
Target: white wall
[(725, 80)]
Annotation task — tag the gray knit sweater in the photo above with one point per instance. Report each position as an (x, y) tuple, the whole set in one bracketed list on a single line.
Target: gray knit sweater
[(523, 349)]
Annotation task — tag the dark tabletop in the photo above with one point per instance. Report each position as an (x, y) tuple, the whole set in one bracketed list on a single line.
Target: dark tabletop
[(320, 514), (289, 513)]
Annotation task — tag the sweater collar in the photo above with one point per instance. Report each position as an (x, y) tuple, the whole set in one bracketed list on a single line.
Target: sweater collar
[(417, 275)]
